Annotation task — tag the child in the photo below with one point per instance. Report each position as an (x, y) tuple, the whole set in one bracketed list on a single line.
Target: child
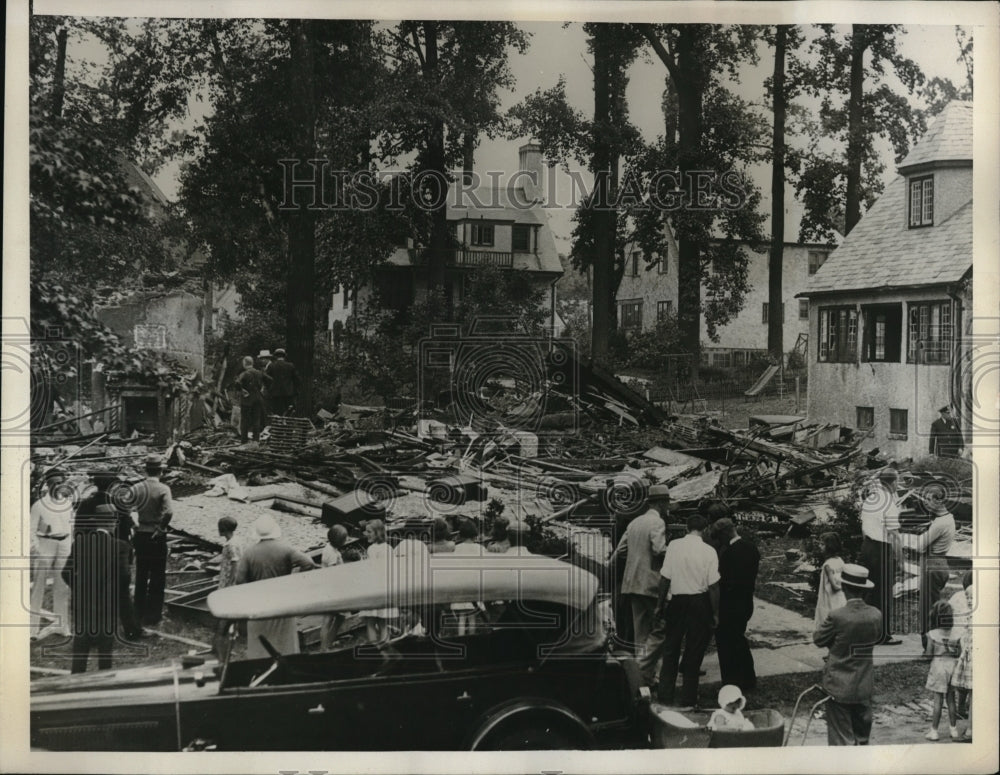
[(330, 629), (829, 595), (961, 679), (943, 651), (729, 716), (228, 559)]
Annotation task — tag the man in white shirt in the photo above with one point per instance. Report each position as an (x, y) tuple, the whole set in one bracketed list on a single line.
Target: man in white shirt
[(687, 611), (881, 545), (51, 539)]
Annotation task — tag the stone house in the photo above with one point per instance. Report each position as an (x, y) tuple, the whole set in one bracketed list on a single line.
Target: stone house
[(645, 295), (504, 226), (890, 312)]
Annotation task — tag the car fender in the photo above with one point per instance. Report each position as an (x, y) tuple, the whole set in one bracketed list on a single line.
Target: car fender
[(511, 713)]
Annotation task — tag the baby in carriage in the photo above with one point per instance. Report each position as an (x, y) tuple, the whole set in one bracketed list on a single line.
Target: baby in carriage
[(730, 716)]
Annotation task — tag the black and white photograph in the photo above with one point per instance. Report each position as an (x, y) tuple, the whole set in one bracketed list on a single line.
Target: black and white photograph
[(416, 380)]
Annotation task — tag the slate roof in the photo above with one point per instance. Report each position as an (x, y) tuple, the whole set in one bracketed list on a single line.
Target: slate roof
[(948, 138), (882, 252)]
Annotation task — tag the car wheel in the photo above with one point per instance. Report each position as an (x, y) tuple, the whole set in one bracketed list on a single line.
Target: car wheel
[(540, 736)]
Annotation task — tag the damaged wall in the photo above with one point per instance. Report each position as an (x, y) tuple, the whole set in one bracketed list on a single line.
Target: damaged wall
[(173, 323)]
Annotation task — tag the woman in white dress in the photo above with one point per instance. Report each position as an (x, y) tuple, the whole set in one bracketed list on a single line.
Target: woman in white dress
[(377, 619)]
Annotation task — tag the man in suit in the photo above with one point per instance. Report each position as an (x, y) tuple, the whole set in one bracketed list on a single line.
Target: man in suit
[(946, 436), (739, 562), (284, 383), (642, 546), (850, 632)]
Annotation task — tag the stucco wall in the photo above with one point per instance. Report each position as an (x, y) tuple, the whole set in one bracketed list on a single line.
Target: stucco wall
[(837, 389), (181, 315), (746, 331)]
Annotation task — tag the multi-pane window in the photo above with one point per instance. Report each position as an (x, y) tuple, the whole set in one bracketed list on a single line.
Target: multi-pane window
[(520, 238), (636, 258), (898, 423), (865, 417), (722, 360), (765, 308), (803, 309), (630, 314), (816, 259), (929, 332), (838, 334), (664, 309), (922, 202), (883, 332), (482, 234)]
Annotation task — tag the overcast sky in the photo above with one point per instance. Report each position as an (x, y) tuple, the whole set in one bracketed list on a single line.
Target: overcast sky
[(558, 50)]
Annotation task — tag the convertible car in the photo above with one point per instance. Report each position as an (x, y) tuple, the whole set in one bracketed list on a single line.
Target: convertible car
[(515, 656)]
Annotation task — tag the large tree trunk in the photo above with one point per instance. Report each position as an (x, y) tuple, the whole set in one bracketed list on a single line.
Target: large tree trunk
[(435, 163), (855, 129), (59, 77), (301, 325), (689, 125), (604, 289), (775, 327)]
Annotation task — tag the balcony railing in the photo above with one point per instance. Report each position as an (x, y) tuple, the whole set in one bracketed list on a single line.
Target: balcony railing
[(501, 258)]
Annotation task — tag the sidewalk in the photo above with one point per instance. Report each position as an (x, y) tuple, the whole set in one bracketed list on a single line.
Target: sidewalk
[(781, 643)]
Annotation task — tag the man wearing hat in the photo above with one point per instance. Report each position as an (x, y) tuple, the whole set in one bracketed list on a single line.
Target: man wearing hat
[(96, 566), (268, 558), (946, 436), (154, 505), (250, 383), (881, 545), (102, 503), (850, 632), (642, 545), (284, 383)]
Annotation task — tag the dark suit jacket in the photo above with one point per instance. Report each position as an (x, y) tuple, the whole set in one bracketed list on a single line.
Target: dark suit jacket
[(850, 632), (738, 566), (284, 379), (946, 437)]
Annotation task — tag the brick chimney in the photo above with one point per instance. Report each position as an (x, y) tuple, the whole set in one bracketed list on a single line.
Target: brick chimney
[(530, 160)]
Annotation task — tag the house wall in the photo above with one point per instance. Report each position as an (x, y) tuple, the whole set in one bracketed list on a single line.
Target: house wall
[(747, 331), (179, 317), (837, 389), (650, 285)]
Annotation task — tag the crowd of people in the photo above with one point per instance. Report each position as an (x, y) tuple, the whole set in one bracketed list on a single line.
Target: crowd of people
[(86, 547), (267, 386), (679, 593)]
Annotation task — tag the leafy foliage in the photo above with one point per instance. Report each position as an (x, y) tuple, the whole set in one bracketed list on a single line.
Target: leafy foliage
[(377, 343), (825, 174), (61, 318)]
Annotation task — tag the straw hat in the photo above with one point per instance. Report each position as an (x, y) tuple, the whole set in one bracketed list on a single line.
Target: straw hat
[(856, 576)]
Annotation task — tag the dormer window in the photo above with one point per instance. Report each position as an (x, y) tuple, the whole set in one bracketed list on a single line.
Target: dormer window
[(921, 201)]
